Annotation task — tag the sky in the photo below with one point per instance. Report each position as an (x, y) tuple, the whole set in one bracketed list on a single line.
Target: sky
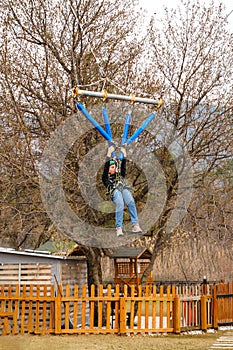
[(158, 5)]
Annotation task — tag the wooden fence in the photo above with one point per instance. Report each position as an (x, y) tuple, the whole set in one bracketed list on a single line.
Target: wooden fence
[(223, 292), (42, 309)]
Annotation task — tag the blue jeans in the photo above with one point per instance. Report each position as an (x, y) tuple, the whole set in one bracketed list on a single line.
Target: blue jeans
[(122, 198)]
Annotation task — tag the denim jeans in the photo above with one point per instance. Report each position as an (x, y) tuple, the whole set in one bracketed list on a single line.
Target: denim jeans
[(122, 198)]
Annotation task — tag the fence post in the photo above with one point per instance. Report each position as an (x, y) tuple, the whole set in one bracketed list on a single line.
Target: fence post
[(204, 285), (203, 313), (58, 312), (176, 315), (122, 315)]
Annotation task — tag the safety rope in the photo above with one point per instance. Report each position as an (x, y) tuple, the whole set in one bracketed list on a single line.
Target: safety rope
[(100, 68)]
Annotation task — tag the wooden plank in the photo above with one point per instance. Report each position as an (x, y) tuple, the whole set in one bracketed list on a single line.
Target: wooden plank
[(7, 314), (75, 320), (139, 306), (29, 265), (9, 304), (6, 329), (154, 307), (26, 272), (161, 291), (23, 303), (176, 315), (44, 313), (203, 313), (117, 307), (147, 293), (37, 319), (92, 307), (122, 329), (132, 305), (83, 307), (108, 308), (58, 312), (168, 306), (10, 273), (30, 309), (67, 307), (100, 307)]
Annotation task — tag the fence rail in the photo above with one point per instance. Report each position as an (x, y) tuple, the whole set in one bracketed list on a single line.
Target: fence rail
[(42, 309)]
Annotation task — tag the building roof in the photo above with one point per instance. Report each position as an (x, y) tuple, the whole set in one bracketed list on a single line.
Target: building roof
[(30, 252), (57, 248), (48, 246), (132, 252)]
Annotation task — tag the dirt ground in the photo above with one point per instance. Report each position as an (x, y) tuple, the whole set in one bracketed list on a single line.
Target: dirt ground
[(109, 342)]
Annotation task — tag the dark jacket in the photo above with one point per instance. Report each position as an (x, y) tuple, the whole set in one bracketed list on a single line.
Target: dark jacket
[(112, 181)]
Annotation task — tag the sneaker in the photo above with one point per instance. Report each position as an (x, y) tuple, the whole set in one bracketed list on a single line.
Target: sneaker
[(119, 231), (136, 229)]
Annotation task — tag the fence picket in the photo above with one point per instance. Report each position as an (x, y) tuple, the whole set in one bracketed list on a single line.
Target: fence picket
[(147, 293), (122, 315), (58, 311), (30, 309), (139, 310), (92, 307), (130, 314), (117, 306), (161, 308), (16, 311), (108, 309), (76, 308), (23, 306), (154, 291), (66, 304), (168, 307), (44, 312), (37, 318), (83, 307)]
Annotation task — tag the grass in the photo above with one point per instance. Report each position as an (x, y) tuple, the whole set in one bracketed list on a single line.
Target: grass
[(109, 342)]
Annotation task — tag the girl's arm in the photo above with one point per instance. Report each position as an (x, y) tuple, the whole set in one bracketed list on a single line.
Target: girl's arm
[(105, 172)]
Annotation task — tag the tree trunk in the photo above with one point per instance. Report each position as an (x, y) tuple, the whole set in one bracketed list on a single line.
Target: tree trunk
[(94, 274)]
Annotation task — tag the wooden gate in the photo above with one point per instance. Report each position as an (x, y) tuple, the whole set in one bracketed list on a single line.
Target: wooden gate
[(224, 295)]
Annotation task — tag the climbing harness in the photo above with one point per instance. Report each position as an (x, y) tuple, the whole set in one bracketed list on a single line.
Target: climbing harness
[(119, 185), (118, 182)]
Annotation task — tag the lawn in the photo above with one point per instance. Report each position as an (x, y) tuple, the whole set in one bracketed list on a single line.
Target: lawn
[(109, 342)]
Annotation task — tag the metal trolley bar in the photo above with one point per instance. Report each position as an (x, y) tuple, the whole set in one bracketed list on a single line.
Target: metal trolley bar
[(105, 95)]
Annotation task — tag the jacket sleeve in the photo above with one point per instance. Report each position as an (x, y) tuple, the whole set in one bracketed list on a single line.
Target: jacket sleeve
[(105, 172), (123, 167)]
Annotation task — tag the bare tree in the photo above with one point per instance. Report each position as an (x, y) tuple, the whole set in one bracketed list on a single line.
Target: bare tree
[(191, 54), (48, 48)]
